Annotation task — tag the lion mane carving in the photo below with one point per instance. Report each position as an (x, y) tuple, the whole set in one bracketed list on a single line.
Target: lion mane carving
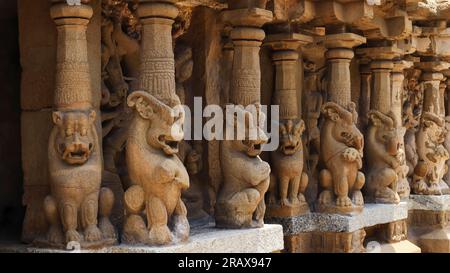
[(77, 209), (288, 180), (158, 175)]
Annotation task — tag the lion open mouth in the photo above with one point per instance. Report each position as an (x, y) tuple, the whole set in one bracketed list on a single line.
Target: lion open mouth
[(253, 149), (78, 156), (289, 149), (169, 146)]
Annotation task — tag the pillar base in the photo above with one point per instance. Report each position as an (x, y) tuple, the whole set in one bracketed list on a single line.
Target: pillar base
[(205, 239), (322, 232), (429, 218), (435, 241)]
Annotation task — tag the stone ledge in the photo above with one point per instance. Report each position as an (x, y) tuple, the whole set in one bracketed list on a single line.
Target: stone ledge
[(203, 240), (429, 202), (372, 214)]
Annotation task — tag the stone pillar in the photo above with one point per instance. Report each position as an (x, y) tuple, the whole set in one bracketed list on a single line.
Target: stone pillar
[(431, 77), (247, 37), (157, 72), (72, 86), (340, 180), (397, 89), (447, 92), (365, 90), (74, 152), (340, 184), (429, 172), (339, 55), (288, 185), (381, 89), (397, 79), (155, 132), (381, 188)]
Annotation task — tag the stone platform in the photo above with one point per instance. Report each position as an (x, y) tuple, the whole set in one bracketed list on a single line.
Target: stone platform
[(206, 239), (323, 232), (429, 222), (429, 202), (372, 214)]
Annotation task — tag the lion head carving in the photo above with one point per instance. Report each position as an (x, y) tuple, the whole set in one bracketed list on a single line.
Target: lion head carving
[(165, 129), (75, 138), (291, 136)]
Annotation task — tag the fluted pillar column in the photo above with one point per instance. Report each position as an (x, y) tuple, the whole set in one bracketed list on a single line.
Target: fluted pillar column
[(157, 68), (365, 90), (73, 79), (339, 55), (287, 195), (247, 37)]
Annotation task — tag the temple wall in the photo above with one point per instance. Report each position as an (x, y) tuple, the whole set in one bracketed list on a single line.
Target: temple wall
[(339, 154), (11, 213)]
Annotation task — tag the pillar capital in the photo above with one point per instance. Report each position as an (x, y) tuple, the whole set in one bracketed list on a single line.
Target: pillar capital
[(343, 40), (432, 66), (253, 17), (149, 11), (64, 14), (287, 41), (380, 53), (400, 65)]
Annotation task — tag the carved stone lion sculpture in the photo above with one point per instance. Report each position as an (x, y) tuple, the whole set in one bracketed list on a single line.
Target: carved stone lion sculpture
[(403, 187), (158, 175), (288, 180), (447, 146), (77, 209), (382, 146), (431, 167), (240, 202), (341, 150)]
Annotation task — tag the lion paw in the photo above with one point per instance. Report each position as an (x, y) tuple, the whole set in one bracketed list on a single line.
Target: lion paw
[(350, 154), (271, 200), (343, 201), (92, 233), (160, 235), (358, 198), (107, 228), (420, 187), (181, 227), (325, 197), (301, 198), (284, 202), (294, 201), (55, 235), (73, 236)]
